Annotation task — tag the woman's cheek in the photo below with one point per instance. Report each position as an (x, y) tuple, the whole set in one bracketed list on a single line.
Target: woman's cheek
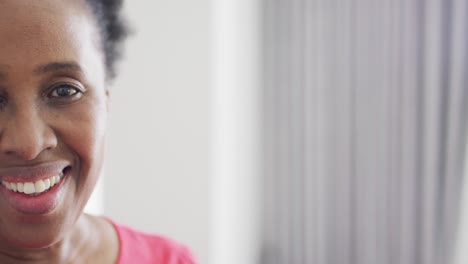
[(81, 129)]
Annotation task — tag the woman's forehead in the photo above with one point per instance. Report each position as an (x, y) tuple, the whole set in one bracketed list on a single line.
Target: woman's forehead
[(33, 8), (23, 21), (34, 33)]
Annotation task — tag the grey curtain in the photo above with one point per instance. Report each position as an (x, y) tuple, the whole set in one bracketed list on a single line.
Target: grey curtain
[(365, 109)]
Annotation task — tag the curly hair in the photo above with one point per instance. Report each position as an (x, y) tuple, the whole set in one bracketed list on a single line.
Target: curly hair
[(113, 29)]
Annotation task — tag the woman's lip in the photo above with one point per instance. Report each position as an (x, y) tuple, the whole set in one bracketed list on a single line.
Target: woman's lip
[(32, 205), (32, 173)]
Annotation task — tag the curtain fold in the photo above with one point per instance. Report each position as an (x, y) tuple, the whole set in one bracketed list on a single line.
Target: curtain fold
[(365, 124)]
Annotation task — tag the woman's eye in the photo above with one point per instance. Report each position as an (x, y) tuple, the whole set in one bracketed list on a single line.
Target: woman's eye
[(3, 102), (64, 91)]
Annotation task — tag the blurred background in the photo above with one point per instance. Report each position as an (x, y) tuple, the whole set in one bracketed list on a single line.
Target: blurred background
[(298, 131)]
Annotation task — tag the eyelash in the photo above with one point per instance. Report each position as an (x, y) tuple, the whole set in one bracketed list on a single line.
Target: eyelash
[(77, 92), (3, 102)]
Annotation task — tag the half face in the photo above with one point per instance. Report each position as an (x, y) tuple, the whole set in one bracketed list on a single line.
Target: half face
[(53, 111)]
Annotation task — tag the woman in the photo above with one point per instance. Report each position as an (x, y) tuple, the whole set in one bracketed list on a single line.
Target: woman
[(56, 60)]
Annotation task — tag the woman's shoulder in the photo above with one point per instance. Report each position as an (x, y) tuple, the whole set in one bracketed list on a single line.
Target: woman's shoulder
[(140, 247)]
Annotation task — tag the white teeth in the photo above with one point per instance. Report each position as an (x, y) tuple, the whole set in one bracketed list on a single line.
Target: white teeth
[(33, 187), (29, 188), (47, 183), (39, 186)]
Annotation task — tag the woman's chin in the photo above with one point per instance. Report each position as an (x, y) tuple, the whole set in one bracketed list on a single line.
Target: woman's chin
[(35, 233)]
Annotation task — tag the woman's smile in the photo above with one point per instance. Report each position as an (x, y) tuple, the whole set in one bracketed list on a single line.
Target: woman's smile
[(35, 190)]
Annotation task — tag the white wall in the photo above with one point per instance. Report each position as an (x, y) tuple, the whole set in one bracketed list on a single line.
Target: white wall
[(236, 132), (158, 162)]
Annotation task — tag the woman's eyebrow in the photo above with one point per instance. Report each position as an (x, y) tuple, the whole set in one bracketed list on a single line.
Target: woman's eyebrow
[(58, 66)]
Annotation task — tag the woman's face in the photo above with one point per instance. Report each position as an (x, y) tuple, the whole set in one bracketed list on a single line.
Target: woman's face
[(53, 111)]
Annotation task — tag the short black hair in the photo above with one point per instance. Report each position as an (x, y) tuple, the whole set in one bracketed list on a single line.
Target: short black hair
[(114, 30)]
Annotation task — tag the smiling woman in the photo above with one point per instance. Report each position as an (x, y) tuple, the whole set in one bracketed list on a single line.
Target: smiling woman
[(56, 61)]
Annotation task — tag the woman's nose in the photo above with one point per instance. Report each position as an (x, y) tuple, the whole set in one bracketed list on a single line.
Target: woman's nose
[(25, 135)]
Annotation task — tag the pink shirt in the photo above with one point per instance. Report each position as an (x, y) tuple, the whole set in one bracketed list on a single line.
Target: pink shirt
[(141, 248)]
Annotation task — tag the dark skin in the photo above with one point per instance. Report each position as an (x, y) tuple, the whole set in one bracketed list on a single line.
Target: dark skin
[(53, 107)]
